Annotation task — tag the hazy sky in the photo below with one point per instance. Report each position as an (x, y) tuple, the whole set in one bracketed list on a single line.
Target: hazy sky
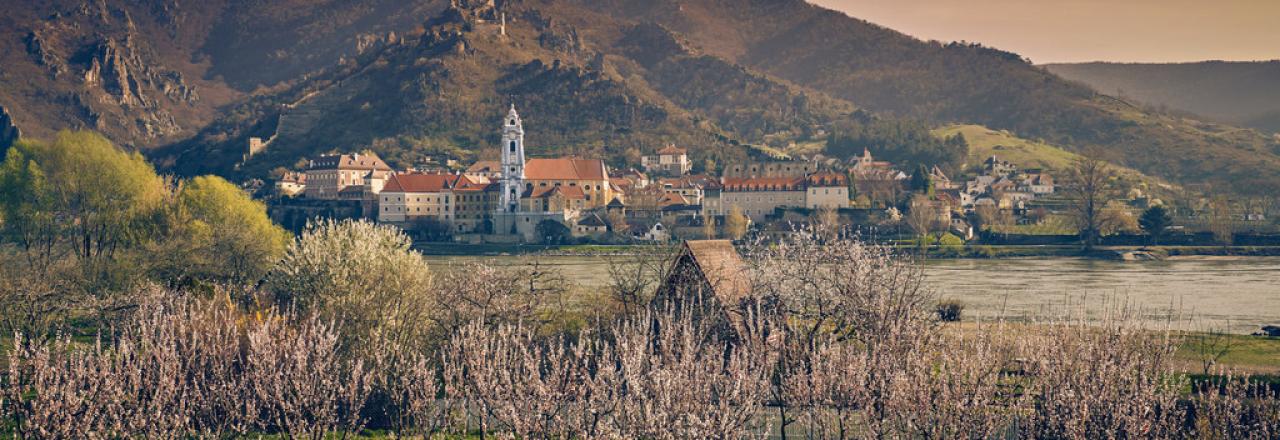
[(1089, 30)]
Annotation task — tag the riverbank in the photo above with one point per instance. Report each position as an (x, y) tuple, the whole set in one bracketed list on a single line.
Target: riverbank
[(974, 251)]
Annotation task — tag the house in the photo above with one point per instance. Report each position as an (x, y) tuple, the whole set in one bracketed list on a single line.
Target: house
[(709, 279), (993, 166), (636, 178), (669, 160), (1038, 183), (408, 197), (690, 187), (291, 184), (940, 180), (489, 169), (590, 225), (827, 190), (655, 232)]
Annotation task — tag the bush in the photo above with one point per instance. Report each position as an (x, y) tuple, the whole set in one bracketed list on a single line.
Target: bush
[(950, 240), (364, 276), (950, 310)]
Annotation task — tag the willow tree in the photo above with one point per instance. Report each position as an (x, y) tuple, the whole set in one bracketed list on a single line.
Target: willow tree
[(95, 194), (238, 239)]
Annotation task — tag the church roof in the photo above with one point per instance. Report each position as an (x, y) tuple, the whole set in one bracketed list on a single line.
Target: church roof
[(565, 169), (569, 192)]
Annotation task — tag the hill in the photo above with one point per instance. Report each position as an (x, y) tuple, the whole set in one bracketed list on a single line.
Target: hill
[(1240, 93), (984, 142), (192, 82)]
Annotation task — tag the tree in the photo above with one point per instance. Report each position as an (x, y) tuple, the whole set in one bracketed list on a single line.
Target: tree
[(27, 217), (101, 193), (922, 181), (826, 221), (1154, 221), (1220, 222), (431, 228), (1091, 187), (921, 216), (736, 223), (1116, 218), (242, 243), (365, 277), (553, 232), (617, 222), (708, 226)]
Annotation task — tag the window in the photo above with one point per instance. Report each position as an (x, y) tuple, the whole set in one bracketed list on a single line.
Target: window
[(513, 150)]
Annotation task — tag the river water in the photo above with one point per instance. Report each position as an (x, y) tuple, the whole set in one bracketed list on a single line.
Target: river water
[(1236, 294)]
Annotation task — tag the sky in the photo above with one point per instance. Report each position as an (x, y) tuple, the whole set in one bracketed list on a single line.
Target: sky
[(1049, 31)]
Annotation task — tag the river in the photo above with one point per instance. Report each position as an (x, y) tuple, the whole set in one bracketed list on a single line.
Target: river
[(1236, 294)]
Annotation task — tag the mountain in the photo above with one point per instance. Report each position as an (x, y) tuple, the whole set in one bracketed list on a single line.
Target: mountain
[(193, 82), (1241, 93)]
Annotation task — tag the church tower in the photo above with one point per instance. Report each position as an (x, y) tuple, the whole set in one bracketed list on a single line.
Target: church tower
[(512, 161)]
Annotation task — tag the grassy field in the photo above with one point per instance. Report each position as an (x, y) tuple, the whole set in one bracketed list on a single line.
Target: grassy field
[(1252, 354), (985, 142)]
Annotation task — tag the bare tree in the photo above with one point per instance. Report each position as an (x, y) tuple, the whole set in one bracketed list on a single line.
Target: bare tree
[(1091, 187), (1220, 221), (634, 278), (1211, 345), (921, 216)]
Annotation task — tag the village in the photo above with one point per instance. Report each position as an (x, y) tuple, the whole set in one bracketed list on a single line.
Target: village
[(582, 200)]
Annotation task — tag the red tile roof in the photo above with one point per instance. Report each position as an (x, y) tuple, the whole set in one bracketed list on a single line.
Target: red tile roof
[(565, 169), (466, 183), (764, 183), (419, 183), (827, 178), (569, 192)]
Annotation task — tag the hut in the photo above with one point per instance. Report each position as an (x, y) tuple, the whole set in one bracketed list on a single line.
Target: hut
[(707, 278)]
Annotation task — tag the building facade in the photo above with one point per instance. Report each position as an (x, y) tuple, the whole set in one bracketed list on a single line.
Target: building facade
[(408, 197), (669, 161), (334, 177)]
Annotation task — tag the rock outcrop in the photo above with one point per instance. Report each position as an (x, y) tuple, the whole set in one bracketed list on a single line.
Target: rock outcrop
[(9, 132)]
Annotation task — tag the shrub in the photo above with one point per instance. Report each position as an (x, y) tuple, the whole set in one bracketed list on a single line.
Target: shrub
[(950, 310)]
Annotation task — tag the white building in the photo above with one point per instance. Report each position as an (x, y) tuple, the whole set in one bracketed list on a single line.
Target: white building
[(669, 160)]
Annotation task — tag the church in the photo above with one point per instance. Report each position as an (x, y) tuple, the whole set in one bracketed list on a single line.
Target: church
[(533, 190)]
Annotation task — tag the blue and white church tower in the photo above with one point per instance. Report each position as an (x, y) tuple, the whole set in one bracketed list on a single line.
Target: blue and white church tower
[(512, 162)]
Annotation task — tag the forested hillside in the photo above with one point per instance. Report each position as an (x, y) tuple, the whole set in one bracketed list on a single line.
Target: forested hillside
[(1241, 93), (193, 81)]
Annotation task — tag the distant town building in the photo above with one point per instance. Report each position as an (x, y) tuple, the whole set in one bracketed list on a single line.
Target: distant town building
[(291, 184), (410, 196), (787, 168), (669, 160), (345, 176), (827, 190)]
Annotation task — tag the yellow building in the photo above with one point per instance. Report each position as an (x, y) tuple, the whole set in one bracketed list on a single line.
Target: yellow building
[(590, 177)]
